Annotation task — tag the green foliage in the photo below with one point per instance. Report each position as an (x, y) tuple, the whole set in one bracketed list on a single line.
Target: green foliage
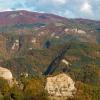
[(86, 92), (34, 89), (15, 93), (90, 74), (4, 86), (85, 67)]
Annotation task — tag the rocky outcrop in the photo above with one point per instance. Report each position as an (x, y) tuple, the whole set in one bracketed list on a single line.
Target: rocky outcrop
[(6, 74), (15, 45), (75, 30), (65, 62), (60, 86)]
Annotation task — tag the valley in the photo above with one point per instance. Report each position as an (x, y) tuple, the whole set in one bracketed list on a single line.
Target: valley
[(35, 46)]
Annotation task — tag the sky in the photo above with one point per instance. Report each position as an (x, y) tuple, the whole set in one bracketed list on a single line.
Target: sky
[(87, 9)]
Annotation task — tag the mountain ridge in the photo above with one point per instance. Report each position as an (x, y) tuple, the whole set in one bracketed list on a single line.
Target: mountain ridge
[(25, 17), (22, 17)]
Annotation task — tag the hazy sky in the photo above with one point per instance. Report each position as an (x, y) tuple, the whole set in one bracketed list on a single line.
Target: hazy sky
[(89, 9)]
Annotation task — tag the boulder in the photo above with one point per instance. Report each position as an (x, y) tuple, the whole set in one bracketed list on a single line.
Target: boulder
[(60, 86), (6, 74)]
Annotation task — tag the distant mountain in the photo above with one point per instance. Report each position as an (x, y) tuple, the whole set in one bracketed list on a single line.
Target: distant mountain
[(26, 17), (49, 25)]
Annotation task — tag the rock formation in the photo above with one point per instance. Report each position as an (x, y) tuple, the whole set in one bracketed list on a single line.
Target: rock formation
[(6, 74), (60, 86)]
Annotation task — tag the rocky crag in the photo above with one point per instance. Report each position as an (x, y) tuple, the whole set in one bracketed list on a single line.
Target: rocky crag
[(60, 86)]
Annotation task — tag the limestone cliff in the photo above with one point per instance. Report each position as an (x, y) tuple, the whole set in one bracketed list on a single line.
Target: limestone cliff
[(60, 86)]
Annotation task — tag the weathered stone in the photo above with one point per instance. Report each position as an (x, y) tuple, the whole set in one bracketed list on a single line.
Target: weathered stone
[(60, 86), (6, 74)]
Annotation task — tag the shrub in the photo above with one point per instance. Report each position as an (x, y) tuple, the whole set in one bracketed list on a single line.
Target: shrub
[(34, 89), (4, 86)]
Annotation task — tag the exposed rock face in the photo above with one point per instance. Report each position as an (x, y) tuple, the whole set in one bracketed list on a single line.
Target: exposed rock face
[(65, 62), (75, 30), (6, 74), (15, 45), (60, 86)]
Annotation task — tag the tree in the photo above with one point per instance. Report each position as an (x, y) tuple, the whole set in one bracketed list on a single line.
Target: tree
[(47, 44)]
